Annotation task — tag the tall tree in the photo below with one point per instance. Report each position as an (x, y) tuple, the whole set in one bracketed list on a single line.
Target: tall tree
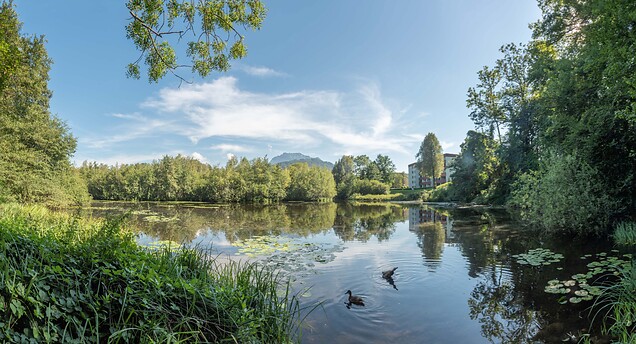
[(344, 176), (213, 26), (484, 100), (35, 146), (386, 168), (430, 160)]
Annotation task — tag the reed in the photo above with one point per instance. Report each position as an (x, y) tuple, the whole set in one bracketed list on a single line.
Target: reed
[(617, 307), (625, 233), (64, 278)]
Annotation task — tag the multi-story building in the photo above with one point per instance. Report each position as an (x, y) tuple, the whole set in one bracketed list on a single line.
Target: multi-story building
[(417, 181)]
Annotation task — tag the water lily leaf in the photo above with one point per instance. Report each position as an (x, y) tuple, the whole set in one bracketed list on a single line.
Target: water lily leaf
[(575, 299)]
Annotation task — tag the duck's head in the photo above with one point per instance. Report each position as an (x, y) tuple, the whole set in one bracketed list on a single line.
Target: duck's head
[(348, 292)]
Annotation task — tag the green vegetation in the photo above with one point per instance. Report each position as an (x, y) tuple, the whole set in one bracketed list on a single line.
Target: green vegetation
[(214, 26), (556, 121), (440, 194), (625, 233), (617, 306), (187, 179), (361, 176), (35, 145), (430, 160), (65, 279)]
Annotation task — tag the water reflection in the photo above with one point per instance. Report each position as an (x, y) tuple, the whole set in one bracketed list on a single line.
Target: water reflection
[(434, 228), (457, 280), (363, 221)]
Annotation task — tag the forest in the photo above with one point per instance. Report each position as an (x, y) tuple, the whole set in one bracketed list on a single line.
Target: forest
[(555, 121)]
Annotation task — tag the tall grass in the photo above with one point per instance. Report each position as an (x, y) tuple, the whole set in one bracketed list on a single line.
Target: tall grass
[(625, 233), (617, 305), (64, 279)]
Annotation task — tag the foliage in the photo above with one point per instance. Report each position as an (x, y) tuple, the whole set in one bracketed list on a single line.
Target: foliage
[(440, 194), (35, 146), (66, 279), (183, 178), (565, 196), (625, 233), (399, 180), (617, 306), (386, 168), (371, 187), (430, 160), (310, 183), (214, 25), (570, 92), (474, 168)]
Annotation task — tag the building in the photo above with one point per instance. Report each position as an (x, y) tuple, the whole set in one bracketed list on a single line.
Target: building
[(416, 181)]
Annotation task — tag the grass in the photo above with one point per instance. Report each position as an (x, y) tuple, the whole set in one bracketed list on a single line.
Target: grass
[(617, 304), (625, 233), (64, 279)]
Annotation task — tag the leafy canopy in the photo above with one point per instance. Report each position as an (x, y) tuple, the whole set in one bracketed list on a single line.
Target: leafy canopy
[(212, 25)]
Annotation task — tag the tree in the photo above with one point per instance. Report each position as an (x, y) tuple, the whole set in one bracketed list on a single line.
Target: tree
[(343, 175), (430, 160), (310, 183), (485, 101), (213, 25), (474, 167), (386, 167), (35, 146)]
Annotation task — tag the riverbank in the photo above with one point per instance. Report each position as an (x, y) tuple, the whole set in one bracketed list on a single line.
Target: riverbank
[(69, 279)]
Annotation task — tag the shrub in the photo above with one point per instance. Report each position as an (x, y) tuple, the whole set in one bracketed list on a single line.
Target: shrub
[(371, 187), (566, 195)]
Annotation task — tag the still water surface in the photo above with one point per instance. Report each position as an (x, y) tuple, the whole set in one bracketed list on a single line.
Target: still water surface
[(456, 281)]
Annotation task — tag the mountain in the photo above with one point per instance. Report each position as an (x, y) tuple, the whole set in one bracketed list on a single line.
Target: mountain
[(287, 159)]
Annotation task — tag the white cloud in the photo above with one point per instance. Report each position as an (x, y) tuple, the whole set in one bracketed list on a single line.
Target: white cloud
[(353, 122), (224, 147), (199, 157), (145, 127), (446, 145), (229, 156), (261, 71)]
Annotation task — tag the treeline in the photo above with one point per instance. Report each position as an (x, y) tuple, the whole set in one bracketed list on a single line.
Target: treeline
[(556, 121), (183, 178)]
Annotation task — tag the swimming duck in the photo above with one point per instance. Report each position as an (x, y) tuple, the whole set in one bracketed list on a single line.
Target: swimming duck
[(356, 300), (389, 273)]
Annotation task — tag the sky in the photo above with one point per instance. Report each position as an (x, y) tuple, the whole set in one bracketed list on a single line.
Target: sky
[(324, 78)]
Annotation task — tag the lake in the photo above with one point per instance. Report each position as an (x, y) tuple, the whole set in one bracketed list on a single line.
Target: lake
[(465, 275)]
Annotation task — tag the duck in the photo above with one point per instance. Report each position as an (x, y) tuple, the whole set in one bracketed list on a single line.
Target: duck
[(356, 300), (389, 273)]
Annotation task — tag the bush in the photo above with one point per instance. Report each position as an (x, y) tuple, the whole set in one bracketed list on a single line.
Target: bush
[(566, 195), (371, 187)]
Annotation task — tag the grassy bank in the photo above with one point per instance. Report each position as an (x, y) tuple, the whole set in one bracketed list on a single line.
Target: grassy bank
[(64, 279)]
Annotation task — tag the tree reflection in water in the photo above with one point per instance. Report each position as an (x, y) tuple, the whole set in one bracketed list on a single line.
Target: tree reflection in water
[(500, 310), (362, 221)]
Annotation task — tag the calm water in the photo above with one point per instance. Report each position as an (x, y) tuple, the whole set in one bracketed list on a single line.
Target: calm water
[(456, 281)]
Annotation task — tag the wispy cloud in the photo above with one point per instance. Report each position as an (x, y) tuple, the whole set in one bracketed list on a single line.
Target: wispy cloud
[(352, 121), (261, 71), (224, 147), (144, 127)]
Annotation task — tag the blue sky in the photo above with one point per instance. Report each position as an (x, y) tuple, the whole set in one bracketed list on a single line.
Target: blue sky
[(324, 78)]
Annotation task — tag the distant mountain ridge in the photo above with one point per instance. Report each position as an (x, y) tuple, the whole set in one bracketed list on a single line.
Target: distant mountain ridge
[(287, 159)]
